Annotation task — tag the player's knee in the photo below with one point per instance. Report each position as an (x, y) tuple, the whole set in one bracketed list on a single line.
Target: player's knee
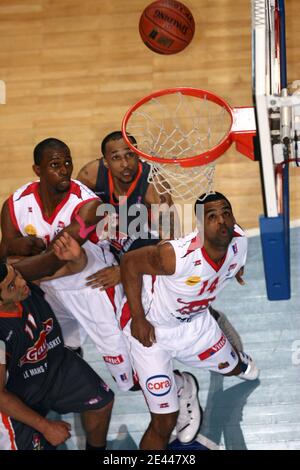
[(163, 424)]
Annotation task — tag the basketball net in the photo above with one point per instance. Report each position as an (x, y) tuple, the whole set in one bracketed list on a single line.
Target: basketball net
[(180, 132)]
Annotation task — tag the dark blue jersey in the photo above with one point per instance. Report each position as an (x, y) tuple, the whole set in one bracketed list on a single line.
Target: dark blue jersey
[(34, 347), (127, 211)]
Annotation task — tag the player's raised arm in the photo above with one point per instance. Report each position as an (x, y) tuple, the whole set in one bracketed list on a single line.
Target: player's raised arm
[(67, 249), (47, 263), (155, 260)]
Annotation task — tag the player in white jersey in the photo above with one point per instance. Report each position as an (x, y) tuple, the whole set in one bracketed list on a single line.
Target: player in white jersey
[(169, 318), (95, 312), (31, 218), (52, 194)]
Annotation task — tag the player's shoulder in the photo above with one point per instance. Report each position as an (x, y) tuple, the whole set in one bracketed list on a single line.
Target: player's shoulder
[(25, 190), (186, 244), (91, 166), (9, 322), (82, 191), (239, 236), (186, 240), (238, 231), (239, 242), (145, 166), (89, 172)]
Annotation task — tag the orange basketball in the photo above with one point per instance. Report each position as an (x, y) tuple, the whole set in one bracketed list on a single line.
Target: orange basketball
[(167, 26)]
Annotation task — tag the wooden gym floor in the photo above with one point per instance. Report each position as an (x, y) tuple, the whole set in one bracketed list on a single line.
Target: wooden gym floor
[(73, 68)]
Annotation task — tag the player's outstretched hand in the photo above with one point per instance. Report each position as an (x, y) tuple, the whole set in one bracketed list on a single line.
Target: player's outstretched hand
[(57, 432), (239, 276), (105, 278), (143, 331), (66, 248)]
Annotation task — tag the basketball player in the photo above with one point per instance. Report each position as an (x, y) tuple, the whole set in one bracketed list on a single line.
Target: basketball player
[(39, 374), (120, 173), (170, 318), (39, 212)]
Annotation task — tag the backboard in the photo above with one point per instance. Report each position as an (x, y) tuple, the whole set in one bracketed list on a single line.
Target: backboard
[(277, 121)]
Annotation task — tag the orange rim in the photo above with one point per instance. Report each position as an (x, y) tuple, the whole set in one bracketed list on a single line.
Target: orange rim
[(201, 159)]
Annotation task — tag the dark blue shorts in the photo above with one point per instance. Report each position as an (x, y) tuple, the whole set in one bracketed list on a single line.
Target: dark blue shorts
[(76, 388)]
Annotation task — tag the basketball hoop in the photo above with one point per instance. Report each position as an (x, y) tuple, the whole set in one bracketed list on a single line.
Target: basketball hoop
[(181, 132)]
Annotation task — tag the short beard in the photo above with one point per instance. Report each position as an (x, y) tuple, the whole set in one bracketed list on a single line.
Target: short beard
[(64, 189), (220, 242)]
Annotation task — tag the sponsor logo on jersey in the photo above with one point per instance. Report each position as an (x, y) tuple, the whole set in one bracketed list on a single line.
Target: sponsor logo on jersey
[(48, 325), (30, 229), (195, 306), (197, 262), (233, 354), (215, 348), (36, 442), (38, 351), (223, 365), (192, 280), (164, 405), (93, 401), (159, 385), (60, 226), (124, 377), (113, 359), (235, 248), (105, 386), (232, 266)]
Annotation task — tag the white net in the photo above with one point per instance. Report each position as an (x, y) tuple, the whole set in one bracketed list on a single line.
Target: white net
[(176, 126)]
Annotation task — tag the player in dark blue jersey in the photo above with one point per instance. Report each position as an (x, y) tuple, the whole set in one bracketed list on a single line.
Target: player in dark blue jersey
[(121, 174), (39, 374)]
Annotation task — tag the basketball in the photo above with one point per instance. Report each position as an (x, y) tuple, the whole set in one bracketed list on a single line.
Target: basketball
[(167, 26)]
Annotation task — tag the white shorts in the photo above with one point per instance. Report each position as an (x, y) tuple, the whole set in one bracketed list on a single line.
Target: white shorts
[(83, 311), (94, 311), (200, 343)]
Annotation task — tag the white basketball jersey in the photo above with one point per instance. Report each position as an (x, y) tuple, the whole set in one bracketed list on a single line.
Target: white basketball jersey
[(196, 282), (27, 214)]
